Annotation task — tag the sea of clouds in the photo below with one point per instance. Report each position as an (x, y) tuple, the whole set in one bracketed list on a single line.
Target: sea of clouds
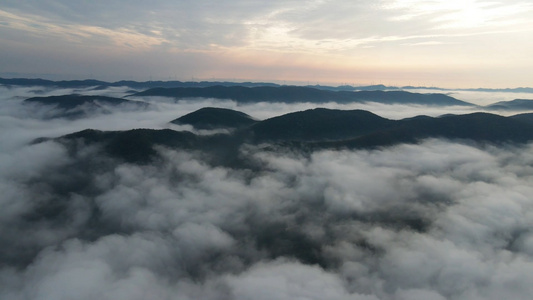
[(435, 220)]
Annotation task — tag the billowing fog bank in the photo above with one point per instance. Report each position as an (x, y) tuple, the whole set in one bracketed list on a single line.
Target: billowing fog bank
[(435, 220)]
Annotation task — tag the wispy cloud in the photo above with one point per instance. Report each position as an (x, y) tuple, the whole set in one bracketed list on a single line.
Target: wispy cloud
[(277, 37), (76, 33), (318, 26), (428, 43), (463, 14)]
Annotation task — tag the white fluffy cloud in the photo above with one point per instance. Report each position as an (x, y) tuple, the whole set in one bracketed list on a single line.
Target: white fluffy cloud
[(437, 220)]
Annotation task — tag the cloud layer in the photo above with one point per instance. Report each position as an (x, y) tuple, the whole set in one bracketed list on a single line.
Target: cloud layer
[(445, 43), (438, 220)]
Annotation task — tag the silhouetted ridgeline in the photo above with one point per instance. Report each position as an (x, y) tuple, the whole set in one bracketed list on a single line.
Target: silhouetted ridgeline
[(292, 94), (128, 83), (174, 83), (135, 145), (319, 124), (73, 101), (526, 117), (313, 129), (517, 104), (78, 106), (215, 118)]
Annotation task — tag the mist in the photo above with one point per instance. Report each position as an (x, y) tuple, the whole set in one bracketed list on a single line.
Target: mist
[(435, 220), (481, 98)]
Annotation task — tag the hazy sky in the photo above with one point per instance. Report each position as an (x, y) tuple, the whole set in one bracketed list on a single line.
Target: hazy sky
[(447, 43)]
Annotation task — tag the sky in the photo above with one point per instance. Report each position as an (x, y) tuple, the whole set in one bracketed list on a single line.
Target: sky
[(444, 43)]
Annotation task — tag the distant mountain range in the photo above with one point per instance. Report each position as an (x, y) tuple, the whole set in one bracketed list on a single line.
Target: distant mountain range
[(78, 106), (517, 104), (293, 94), (74, 100), (128, 83), (174, 84), (306, 130)]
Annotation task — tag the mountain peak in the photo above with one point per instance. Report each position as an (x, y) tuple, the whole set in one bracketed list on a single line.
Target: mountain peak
[(215, 118)]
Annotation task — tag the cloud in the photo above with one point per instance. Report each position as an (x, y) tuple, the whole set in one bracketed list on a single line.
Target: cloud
[(91, 36), (288, 26), (436, 220), (462, 14), (206, 215), (181, 25), (289, 280), (326, 41)]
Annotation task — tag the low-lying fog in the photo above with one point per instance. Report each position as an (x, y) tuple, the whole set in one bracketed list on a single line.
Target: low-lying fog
[(437, 220)]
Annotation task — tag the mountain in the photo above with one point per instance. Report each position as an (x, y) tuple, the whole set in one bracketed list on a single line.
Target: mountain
[(215, 118), (129, 83), (44, 82), (246, 94), (517, 104), (174, 84), (478, 127), (132, 145), (402, 97), (319, 124), (527, 117), (77, 106), (138, 145), (362, 129), (75, 100), (309, 130), (294, 94)]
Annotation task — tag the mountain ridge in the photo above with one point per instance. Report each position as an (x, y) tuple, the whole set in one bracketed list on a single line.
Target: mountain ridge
[(215, 118), (175, 83), (294, 94), (75, 106), (368, 131), (516, 104)]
